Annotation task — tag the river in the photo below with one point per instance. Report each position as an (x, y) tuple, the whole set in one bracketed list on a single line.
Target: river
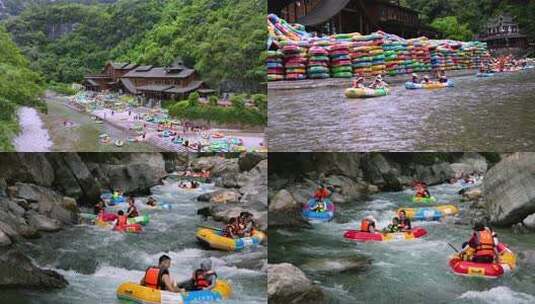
[(34, 136), (96, 261), (405, 271), (479, 114)]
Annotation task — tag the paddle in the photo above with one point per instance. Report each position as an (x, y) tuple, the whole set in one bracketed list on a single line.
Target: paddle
[(212, 228), (457, 251)]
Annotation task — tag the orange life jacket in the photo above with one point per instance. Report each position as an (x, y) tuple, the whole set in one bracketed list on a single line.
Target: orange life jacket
[(152, 278), (486, 243), (365, 225), (122, 221), (200, 279)]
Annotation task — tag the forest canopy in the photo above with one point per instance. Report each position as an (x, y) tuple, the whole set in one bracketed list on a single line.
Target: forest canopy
[(222, 39)]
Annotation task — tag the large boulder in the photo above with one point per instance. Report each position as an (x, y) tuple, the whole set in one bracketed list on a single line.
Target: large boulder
[(27, 167), (4, 239), (15, 226), (348, 189), (283, 201), (382, 173), (249, 160), (337, 265), (253, 186), (129, 172), (529, 222), (509, 189), (287, 284), (17, 271), (43, 223), (222, 196), (469, 163)]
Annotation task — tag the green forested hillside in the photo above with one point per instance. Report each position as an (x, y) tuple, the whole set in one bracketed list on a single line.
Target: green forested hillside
[(472, 15), (18, 86), (222, 39)]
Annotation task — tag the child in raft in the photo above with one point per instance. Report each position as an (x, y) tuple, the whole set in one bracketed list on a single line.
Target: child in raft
[(378, 83), (358, 83), (394, 227)]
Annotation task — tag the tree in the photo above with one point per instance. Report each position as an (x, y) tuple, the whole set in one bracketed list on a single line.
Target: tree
[(451, 28)]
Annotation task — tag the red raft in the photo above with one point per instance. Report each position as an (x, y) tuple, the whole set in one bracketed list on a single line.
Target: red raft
[(358, 235), (506, 263), (130, 228)]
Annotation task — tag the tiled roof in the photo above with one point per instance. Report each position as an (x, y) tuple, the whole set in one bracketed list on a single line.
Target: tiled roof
[(140, 72)]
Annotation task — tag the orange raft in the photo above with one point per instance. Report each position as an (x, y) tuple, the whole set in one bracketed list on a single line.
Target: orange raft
[(506, 263)]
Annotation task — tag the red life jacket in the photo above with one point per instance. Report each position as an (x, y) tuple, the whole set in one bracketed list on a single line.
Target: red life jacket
[(200, 279), (152, 277), (365, 225), (122, 221), (486, 243)]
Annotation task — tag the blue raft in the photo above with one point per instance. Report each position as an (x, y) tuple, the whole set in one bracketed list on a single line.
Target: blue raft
[(315, 216)]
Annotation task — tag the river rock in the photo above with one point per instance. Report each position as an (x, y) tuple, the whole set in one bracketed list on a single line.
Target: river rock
[(349, 189), (35, 193), (509, 189), (218, 166), (222, 196), (249, 160), (472, 194), (15, 226), (469, 163), (529, 222), (283, 201), (253, 186), (43, 223), (31, 168), (289, 285), (3, 187), (336, 265), (17, 271), (4, 239)]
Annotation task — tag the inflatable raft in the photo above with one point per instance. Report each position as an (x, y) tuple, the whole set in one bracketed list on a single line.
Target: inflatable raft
[(214, 239), (429, 86), (426, 200), (434, 213), (315, 216), (506, 263), (135, 293), (357, 235), (484, 74), (130, 228), (142, 219), (112, 200), (366, 92)]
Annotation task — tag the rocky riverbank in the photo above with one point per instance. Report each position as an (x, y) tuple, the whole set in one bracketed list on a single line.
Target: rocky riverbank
[(41, 193)]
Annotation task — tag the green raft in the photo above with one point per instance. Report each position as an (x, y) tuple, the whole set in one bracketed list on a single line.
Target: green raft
[(426, 200), (142, 219), (366, 92)]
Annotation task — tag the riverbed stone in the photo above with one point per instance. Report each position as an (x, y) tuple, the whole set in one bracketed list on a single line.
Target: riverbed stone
[(4, 239), (43, 223), (283, 201), (337, 265), (253, 186), (289, 285), (249, 160), (17, 271), (509, 189)]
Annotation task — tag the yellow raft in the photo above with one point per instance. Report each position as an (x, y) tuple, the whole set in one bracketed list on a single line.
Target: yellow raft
[(214, 239), (136, 293)]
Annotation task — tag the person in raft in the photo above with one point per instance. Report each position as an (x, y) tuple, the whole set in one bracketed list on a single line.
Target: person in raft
[(203, 278), (158, 277), (368, 224), (394, 227), (121, 221), (415, 78), (115, 195), (358, 83), (426, 79), (443, 79), (378, 83), (132, 209), (421, 190), (232, 229), (319, 197), (481, 248), (250, 224), (151, 201), (404, 222), (100, 206)]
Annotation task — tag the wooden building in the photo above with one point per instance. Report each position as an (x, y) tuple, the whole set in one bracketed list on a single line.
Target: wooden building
[(502, 32), (153, 84), (347, 16)]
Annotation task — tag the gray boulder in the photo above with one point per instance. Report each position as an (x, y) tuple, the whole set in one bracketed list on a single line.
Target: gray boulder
[(17, 271), (509, 189), (249, 160), (43, 223), (289, 285)]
